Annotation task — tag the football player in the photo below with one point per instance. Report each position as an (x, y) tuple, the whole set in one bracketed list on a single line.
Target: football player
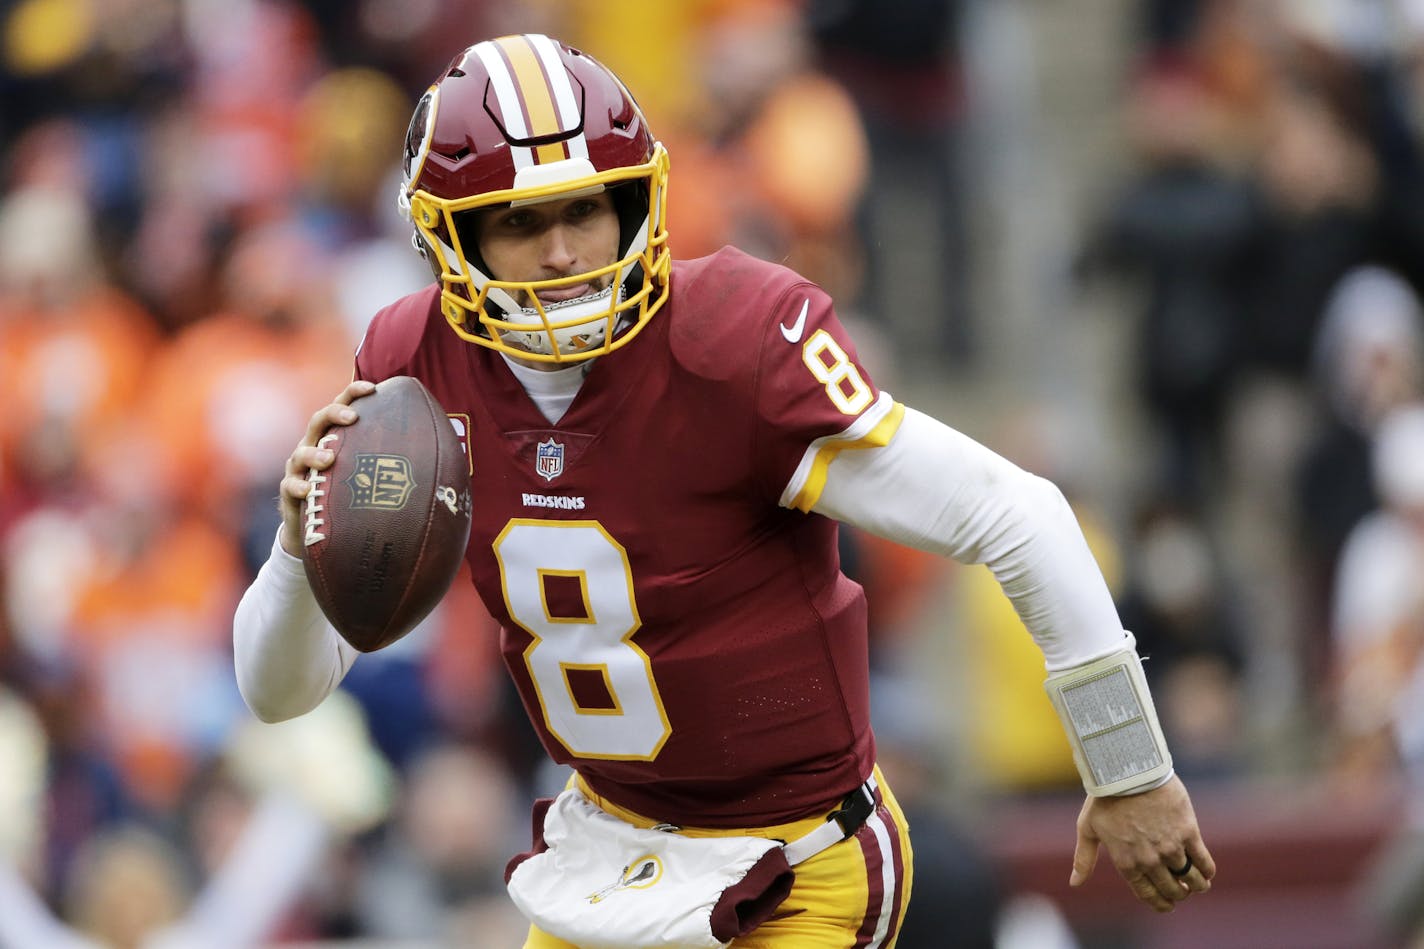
[(659, 454)]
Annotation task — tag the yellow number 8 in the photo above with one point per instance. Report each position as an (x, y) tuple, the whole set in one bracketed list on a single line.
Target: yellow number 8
[(836, 374)]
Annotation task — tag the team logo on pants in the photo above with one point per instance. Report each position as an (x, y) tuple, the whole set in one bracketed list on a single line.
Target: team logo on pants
[(638, 875), (549, 459)]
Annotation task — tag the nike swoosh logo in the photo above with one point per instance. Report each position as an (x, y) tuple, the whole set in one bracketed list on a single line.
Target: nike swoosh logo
[(794, 331)]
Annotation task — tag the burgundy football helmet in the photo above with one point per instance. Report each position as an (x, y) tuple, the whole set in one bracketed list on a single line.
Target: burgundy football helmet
[(519, 120)]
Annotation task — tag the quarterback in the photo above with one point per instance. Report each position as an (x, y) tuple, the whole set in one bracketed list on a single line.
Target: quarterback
[(659, 454)]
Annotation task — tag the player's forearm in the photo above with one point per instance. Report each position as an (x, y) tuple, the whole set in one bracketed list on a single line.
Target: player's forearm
[(287, 656), (936, 489)]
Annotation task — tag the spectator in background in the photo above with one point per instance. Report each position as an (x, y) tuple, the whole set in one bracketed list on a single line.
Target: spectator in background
[(1378, 620), (342, 186), (288, 795), (269, 334), (1181, 608), (128, 883), (1187, 227), (1321, 181), (1367, 362), (1378, 639), (438, 873), (73, 356), (73, 349), (900, 62)]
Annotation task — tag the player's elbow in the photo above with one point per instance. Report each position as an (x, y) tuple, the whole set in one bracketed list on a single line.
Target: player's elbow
[(1034, 508), (269, 717), (1042, 498), (269, 712), (272, 705)]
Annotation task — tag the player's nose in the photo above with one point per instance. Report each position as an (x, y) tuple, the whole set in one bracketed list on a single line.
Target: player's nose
[(557, 250)]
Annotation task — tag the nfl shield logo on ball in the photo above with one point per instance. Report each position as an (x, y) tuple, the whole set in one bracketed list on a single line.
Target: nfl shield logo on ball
[(380, 481), (549, 459)]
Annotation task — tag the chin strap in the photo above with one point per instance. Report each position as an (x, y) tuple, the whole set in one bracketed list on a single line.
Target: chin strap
[(1107, 713)]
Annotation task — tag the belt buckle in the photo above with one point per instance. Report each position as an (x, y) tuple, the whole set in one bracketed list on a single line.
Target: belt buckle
[(856, 808)]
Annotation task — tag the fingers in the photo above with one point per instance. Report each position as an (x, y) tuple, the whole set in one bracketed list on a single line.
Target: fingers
[(354, 390), (1201, 859), (1193, 880), (1150, 888), (1163, 881), (1085, 858), (312, 454), (1200, 867), (1085, 853), (338, 412), (305, 458), (1152, 883)]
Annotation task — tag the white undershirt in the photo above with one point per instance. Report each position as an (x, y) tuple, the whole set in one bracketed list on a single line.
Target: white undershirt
[(931, 488), (553, 392)]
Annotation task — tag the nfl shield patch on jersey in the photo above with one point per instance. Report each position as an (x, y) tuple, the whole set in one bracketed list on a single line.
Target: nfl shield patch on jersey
[(549, 459)]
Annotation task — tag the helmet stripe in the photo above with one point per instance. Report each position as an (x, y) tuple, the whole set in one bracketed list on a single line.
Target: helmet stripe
[(563, 89), (508, 97), (535, 93)]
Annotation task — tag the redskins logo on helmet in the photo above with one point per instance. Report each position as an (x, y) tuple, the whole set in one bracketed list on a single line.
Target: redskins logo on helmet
[(516, 121)]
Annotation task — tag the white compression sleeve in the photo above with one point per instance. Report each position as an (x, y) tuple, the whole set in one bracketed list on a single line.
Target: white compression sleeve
[(288, 656), (938, 490)]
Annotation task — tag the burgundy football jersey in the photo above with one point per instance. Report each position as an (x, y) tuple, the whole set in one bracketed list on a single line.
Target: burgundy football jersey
[(679, 633)]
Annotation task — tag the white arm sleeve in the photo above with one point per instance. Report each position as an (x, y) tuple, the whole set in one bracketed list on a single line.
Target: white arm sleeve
[(938, 490), (288, 656)]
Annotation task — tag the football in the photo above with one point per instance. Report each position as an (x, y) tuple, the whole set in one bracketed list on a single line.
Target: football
[(385, 527)]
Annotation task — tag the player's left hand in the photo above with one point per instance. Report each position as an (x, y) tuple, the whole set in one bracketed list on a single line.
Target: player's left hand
[(1148, 836)]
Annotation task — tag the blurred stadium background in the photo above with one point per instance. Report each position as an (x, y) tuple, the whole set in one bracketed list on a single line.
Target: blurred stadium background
[(1166, 252)]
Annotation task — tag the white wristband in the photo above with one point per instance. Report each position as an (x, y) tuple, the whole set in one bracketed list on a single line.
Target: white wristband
[(1107, 713)]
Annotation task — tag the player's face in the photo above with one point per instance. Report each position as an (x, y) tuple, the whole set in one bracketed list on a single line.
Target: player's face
[(552, 239)]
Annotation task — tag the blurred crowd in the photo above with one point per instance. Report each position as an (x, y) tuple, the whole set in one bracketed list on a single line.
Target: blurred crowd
[(197, 217)]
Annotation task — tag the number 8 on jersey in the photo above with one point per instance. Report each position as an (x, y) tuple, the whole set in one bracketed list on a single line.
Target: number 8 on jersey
[(595, 685)]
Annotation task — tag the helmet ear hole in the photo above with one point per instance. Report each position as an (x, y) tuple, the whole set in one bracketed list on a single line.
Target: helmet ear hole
[(431, 261), (630, 202)]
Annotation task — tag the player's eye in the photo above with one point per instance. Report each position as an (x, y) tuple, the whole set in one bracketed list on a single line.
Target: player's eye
[(517, 221)]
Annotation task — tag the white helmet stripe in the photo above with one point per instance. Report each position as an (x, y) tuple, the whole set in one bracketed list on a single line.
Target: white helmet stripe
[(509, 104), (563, 90)]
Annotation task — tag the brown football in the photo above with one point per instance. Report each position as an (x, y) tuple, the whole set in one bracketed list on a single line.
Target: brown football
[(385, 526)]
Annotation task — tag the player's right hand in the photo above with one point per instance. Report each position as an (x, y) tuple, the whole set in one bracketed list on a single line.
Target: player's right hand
[(309, 455), (1146, 835)]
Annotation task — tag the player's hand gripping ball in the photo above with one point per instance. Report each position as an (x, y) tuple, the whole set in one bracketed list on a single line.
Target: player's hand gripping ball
[(385, 527)]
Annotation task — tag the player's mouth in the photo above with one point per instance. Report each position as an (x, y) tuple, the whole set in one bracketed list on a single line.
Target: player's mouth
[(564, 294)]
